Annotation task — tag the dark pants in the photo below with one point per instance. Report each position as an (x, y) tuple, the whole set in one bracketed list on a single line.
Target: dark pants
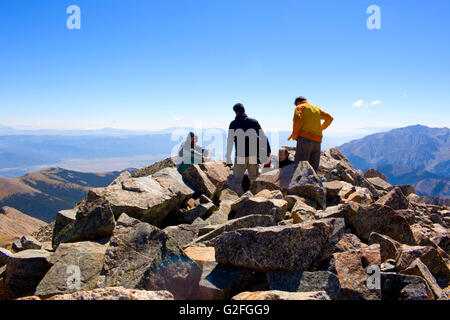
[(308, 150)]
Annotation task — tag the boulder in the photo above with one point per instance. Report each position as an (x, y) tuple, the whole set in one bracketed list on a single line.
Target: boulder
[(149, 198), (274, 194), (217, 172), (235, 224), (273, 248), (374, 173), (394, 199), (149, 170), (203, 210), (183, 234), (93, 222), (301, 212), (429, 256), (28, 242), (338, 211), (407, 190), (140, 256), (282, 295), (353, 273), (349, 242), (295, 179), (228, 194), (388, 266), (442, 241), (388, 246), (299, 281), (418, 268), (221, 215), (201, 255), (337, 190), (5, 254), (330, 158), (246, 206), (380, 184), (335, 166), (199, 181), (63, 219), (380, 219), (16, 246), (393, 287), (360, 195), (24, 271), (116, 293), (416, 291), (221, 282), (71, 260)]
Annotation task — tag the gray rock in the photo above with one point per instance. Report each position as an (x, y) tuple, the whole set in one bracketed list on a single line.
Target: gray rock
[(246, 206), (83, 259), (388, 246), (199, 181), (232, 225), (374, 173), (298, 281), (300, 180), (394, 199), (116, 293), (217, 172), (140, 256), (149, 198), (388, 266), (203, 210), (16, 246), (273, 248), (221, 215), (183, 233), (220, 282), (63, 219), (380, 184), (380, 219), (4, 256), (282, 295), (24, 271), (392, 285), (93, 222), (330, 246), (28, 242)]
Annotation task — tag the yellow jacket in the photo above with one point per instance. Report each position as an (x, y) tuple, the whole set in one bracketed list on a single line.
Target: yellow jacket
[(307, 122)]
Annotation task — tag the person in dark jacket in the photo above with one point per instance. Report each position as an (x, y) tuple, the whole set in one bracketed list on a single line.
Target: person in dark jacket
[(283, 158), (251, 147)]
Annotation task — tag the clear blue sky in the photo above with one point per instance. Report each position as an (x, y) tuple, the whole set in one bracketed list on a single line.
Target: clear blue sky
[(146, 64)]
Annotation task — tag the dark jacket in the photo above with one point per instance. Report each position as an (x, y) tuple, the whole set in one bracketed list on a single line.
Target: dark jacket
[(253, 133), (285, 163)]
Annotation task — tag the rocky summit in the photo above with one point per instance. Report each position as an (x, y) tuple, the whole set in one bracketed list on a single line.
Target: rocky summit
[(297, 234)]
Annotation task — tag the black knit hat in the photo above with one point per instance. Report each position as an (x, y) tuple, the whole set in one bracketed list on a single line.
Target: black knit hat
[(299, 100)]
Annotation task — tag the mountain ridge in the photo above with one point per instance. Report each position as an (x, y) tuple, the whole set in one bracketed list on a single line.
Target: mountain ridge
[(416, 155), (42, 194)]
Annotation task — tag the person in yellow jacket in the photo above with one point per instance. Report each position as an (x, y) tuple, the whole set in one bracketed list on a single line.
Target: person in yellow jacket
[(307, 130)]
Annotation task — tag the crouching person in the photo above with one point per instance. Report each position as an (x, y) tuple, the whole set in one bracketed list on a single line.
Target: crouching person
[(191, 153)]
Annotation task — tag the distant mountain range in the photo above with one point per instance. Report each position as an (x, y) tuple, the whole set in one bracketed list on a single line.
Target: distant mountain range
[(416, 155), (25, 151), (42, 194)]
